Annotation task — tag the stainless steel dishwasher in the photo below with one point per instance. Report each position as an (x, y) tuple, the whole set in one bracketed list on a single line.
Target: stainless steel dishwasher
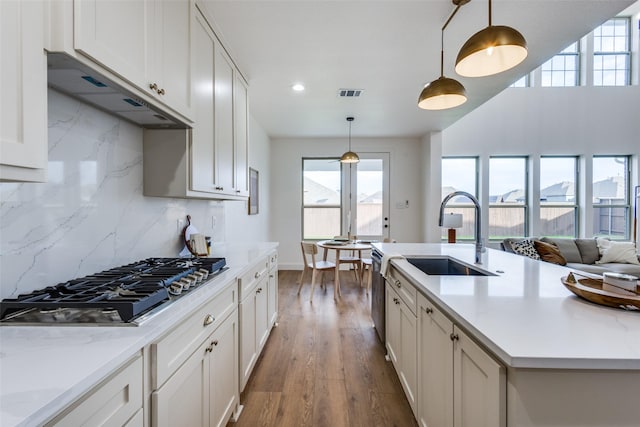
[(377, 295)]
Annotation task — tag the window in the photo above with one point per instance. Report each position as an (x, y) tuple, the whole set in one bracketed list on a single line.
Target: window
[(563, 69), (521, 82), (611, 188), (507, 197), (611, 53), (321, 198), (460, 174), (558, 203)]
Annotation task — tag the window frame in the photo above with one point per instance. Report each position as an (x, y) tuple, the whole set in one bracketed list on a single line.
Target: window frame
[(524, 206), (627, 194), (453, 206), (563, 54), (603, 53), (576, 204)]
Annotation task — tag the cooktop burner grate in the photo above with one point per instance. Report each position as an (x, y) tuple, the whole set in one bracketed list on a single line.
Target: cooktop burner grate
[(130, 290)]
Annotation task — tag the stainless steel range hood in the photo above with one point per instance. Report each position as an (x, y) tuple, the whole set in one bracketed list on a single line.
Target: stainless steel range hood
[(69, 76)]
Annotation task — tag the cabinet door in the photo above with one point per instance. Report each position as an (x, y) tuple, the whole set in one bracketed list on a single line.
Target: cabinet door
[(393, 325), (224, 154), (248, 338), (171, 44), (408, 354), (184, 399), (262, 313), (241, 135), (202, 151), (116, 35), (435, 370), (273, 296), (223, 377), (23, 85), (479, 385)]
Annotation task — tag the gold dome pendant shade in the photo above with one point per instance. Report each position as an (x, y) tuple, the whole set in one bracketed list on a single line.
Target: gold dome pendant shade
[(349, 156), (491, 51), (444, 92)]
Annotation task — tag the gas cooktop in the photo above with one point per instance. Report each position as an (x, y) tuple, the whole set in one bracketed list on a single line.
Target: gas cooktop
[(118, 296)]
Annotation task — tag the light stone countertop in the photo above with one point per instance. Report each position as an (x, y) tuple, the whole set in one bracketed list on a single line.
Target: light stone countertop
[(43, 369), (525, 315)]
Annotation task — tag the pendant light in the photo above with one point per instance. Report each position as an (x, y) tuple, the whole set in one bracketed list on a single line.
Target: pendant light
[(491, 51), (349, 156), (444, 92)]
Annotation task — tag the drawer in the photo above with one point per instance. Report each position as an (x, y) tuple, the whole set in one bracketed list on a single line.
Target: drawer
[(114, 402), (407, 292), (171, 351), (273, 261), (250, 279)]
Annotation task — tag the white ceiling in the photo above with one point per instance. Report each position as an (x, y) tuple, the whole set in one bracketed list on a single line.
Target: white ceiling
[(389, 48)]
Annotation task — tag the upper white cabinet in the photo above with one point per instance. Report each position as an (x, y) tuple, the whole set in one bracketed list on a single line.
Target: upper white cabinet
[(23, 85), (146, 42), (211, 160)]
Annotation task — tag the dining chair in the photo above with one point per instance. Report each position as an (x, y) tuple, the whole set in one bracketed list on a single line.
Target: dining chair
[(366, 266), (311, 250)]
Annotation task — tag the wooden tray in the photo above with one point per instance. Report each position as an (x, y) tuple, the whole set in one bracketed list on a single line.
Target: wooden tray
[(591, 290)]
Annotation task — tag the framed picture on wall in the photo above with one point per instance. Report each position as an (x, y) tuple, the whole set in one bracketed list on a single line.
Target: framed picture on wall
[(253, 191)]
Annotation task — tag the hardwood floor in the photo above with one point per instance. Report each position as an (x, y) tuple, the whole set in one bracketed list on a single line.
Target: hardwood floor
[(323, 365)]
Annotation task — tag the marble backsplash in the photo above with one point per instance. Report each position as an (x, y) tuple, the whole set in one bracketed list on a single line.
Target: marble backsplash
[(90, 215)]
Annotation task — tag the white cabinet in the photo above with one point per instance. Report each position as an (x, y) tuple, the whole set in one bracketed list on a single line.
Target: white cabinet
[(117, 401), (211, 160), (273, 289), (23, 85), (254, 317), (146, 42), (460, 384), (204, 390), (401, 337)]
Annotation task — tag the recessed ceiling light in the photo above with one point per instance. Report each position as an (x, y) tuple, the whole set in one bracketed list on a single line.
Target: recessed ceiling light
[(298, 87)]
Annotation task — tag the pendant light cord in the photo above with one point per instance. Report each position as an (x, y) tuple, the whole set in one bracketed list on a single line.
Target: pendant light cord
[(349, 135), (442, 38)]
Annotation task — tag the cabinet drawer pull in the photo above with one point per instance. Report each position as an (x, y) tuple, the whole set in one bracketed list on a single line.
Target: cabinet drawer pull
[(271, 276), (208, 320), (259, 290), (257, 274), (161, 91), (214, 342), (208, 349), (429, 310), (153, 87), (398, 283), (396, 300), (454, 337)]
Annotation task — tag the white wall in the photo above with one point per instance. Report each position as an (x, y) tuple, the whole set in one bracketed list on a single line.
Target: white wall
[(91, 214), (582, 121), (406, 165)]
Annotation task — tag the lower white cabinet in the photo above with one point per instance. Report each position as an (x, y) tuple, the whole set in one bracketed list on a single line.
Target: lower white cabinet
[(204, 390), (459, 383), (117, 401), (401, 337)]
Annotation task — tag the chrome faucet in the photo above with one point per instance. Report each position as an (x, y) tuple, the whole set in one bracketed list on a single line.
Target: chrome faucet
[(478, 221)]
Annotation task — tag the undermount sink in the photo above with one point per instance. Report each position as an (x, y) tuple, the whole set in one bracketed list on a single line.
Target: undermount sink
[(446, 267)]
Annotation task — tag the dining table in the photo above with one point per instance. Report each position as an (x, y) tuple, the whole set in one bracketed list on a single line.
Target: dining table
[(340, 246)]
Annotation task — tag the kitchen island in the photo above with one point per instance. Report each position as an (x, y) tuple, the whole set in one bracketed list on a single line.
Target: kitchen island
[(564, 361), (45, 369)]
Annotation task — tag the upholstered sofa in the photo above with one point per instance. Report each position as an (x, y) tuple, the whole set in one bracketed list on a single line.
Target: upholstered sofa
[(580, 254)]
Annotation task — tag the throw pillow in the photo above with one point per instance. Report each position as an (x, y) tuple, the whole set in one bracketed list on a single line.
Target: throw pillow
[(549, 252), (525, 247), (621, 252)]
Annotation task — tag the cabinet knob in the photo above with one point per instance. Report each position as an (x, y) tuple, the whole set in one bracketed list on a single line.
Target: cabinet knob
[(454, 337), (257, 274), (429, 310), (237, 191), (161, 91), (208, 349), (271, 276), (154, 87), (208, 320), (214, 342), (259, 290), (396, 300), (398, 283)]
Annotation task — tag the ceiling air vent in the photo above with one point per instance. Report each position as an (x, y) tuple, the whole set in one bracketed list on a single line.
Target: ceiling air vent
[(350, 93)]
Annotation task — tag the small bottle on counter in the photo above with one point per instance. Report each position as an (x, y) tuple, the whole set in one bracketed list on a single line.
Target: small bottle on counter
[(208, 240)]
